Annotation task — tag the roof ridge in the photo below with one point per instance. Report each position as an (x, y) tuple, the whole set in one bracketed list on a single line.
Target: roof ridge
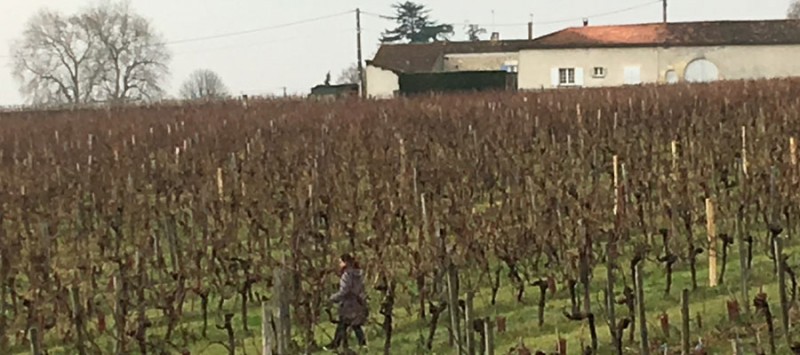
[(682, 23)]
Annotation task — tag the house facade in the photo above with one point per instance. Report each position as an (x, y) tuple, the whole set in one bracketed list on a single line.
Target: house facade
[(394, 60), (602, 56), (662, 54)]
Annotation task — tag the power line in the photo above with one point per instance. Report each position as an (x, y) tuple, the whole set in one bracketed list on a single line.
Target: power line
[(262, 29), (601, 14), (244, 32), (614, 12), (258, 44)]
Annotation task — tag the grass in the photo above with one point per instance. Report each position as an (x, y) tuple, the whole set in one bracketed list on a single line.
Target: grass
[(522, 319)]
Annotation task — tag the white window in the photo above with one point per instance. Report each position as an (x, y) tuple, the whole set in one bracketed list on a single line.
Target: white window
[(511, 66), (566, 76), (599, 72)]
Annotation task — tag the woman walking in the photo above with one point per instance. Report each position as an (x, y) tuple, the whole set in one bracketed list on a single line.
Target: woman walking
[(352, 302)]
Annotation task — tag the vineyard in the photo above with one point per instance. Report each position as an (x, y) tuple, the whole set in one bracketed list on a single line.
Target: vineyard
[(616, 221)]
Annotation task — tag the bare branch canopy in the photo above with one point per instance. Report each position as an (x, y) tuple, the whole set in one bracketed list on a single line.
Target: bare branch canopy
[(203, 84), (104, 54)]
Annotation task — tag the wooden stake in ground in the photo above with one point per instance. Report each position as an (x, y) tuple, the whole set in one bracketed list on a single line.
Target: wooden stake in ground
[(740, 235), (674, 147), (711, 228), (793, 151), (489, 331), (744, 150), (643, 342), (610, 300), (281, 296), (36, 345), (266, 329), (782, 285), (685, 322), (452, 304), (220, 186), (468, 315), (616, 186)]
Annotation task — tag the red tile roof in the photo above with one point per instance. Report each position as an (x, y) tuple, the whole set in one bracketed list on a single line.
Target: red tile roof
[(773, 32), (422, 58)]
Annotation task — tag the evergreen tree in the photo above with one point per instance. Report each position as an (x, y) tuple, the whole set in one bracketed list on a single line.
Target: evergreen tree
[(414, 25)]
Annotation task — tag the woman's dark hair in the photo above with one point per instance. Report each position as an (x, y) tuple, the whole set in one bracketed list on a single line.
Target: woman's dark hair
[(349, 260)]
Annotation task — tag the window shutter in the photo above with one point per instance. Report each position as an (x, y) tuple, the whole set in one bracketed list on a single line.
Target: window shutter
[(554, 78), (579, 76)]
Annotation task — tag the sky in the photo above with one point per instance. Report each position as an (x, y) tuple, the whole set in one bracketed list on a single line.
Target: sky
[(297, 57)]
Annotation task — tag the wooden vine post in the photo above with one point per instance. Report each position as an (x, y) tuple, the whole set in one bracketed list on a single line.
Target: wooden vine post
[(782, 286), (611, 301), (685, 322), (744, 150), (78, 318), (488, 329), (282, 297), (740, 236), (36, 345), (611, 252), (266, 330), (644, 343), (711, 228), (674, 148), (452, 305), (468, 320), (617, 194)]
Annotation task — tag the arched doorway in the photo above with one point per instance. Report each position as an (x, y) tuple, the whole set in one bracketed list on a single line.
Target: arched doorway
[(671, 76), (701, 71)]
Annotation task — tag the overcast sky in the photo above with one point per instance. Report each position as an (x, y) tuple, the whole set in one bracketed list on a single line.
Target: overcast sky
[(297, 57)]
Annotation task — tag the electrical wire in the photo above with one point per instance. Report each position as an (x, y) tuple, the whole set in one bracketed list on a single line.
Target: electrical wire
[(614, 12), (255, 30), (258, 44), (601, 14), (244, 32)]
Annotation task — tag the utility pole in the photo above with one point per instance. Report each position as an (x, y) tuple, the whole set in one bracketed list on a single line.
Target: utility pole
[(664, 2), (362, 80)]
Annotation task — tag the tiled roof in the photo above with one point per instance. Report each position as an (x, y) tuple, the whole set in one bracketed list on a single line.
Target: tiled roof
[(422, 58), (772, 32)]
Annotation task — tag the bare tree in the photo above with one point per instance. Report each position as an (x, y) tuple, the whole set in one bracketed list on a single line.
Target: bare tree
[(55, 61), (106, 53), (349, 75), (134, 56), (203, 84), (794, 10)]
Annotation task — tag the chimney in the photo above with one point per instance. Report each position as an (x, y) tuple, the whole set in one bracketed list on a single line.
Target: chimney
[(585, 22), (495, 36), (530, 30)]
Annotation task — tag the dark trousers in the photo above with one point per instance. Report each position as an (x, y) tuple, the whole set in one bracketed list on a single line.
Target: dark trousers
[(340, 338)]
